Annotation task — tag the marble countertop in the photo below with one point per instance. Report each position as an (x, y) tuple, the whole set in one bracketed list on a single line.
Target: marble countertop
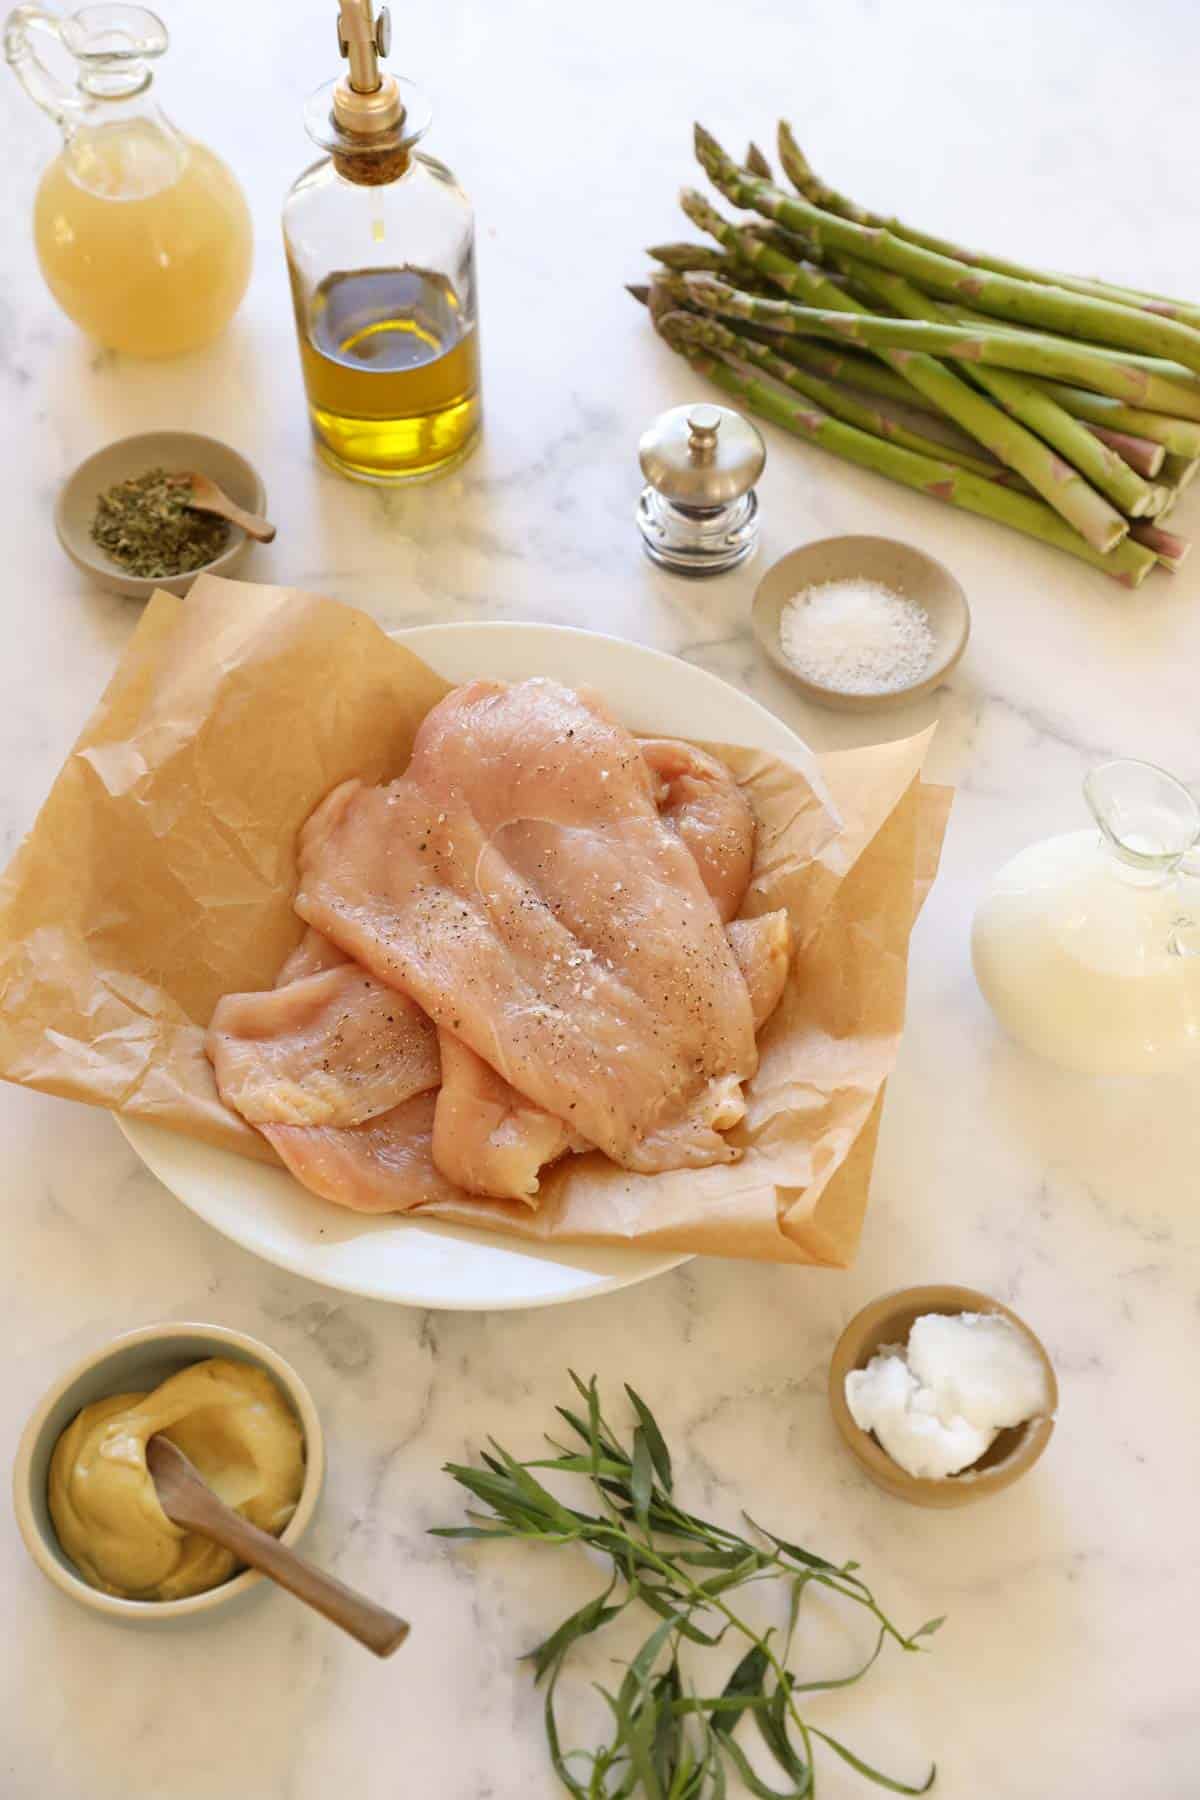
[(1063, 132)]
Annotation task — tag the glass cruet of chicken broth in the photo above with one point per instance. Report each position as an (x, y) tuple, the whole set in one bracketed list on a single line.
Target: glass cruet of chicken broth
[(380, 243), (1087, 945), (142, 234)]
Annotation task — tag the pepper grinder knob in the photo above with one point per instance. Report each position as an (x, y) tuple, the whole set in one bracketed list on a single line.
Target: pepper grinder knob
[(704, 422)]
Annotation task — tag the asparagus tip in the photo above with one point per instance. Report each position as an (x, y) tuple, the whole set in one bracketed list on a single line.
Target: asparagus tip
[(757, 163)]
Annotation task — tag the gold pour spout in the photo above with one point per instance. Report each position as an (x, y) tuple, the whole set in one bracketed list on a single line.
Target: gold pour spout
[(366, 100)]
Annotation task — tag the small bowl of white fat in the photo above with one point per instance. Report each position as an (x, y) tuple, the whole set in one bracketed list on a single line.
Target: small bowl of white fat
[(942, 1394), (861, 623)]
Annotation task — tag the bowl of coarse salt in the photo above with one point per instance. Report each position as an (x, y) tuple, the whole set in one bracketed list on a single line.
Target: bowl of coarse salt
[(861, 623)]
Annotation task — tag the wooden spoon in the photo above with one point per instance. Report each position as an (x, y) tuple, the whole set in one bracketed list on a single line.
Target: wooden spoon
[(190, 1502), (206, 496)]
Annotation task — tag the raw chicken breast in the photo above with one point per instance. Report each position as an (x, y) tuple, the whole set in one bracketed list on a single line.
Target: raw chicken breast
[(282, 1060), (763, 948), (698, 797), (333, 1048), (385, 1165), (487, 1138), (312, 954), (518, 883)]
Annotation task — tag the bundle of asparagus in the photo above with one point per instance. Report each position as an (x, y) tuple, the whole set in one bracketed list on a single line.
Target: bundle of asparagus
[(1064, 407)]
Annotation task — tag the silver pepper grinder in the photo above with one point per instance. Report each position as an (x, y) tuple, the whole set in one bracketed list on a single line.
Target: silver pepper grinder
[(698, 513)]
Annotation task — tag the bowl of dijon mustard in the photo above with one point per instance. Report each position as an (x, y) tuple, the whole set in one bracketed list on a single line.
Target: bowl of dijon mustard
[(84, 1499)]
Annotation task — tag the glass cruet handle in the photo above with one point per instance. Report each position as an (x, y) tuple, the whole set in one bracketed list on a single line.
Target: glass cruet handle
[(1152, 823), (1184, 936), (21, 30)]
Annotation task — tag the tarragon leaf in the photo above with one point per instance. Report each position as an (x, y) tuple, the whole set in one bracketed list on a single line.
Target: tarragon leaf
[(642, 1479), (670, 1750), (771, 1721), (660, 1455), (745, 1684), (875, 1775), (754, 1781), (560, 1762), (807, 1557), (842, 1681), (667, 1603), (472, 1531), (589, 1618), (732, 1577)]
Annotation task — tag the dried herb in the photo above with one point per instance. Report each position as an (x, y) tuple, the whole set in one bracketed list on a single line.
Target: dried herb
[(670, 1742), (146, 525)]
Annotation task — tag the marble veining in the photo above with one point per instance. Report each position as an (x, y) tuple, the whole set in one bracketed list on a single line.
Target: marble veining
[(1067, 1667)]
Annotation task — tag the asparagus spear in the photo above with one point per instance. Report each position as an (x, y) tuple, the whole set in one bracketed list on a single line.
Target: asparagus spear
[(1114, 424), (1166, 545), (1055, 309), (1169, 387), (1026, 352), (849, 370), (808, 183), (1131, 432), (1033, 406), (1128, 564), (1180, 435), (1105, 418), (1139, 452), (803, 280), (1174, 390), (757, 163), (841, 365), (1006, 438), (1178, 473), (710, 334), (685, 258), (790, 242), (689, 258)]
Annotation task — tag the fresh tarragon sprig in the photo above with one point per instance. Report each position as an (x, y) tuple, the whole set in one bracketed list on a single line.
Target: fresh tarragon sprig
[(668, 1741)]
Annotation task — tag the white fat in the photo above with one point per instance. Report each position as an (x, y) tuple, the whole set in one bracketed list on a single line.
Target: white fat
[(980, 1367), (937, 1403)]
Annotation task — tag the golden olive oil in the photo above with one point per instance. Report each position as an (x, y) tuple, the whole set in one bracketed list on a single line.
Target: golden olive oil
[(391, 370)]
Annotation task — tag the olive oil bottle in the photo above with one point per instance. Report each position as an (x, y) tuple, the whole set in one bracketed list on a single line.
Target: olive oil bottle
[(380, 243)]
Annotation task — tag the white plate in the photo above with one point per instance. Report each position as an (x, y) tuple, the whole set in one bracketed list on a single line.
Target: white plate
[(420, 1263)]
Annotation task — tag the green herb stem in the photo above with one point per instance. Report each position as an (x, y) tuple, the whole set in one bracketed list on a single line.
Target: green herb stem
[(680, 1567)]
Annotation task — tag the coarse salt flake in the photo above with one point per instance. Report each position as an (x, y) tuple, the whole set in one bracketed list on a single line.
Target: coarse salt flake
[(856, 637)]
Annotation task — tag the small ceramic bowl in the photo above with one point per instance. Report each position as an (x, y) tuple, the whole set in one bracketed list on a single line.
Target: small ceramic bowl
[(897, 566), (889, 1321), (140, 1360), (177, 452)]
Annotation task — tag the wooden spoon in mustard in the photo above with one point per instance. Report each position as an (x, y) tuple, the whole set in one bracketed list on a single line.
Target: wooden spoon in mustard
[(190, 1502)]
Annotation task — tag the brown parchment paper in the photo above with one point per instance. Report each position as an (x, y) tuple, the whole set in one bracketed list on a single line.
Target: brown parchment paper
[(159, 874)]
